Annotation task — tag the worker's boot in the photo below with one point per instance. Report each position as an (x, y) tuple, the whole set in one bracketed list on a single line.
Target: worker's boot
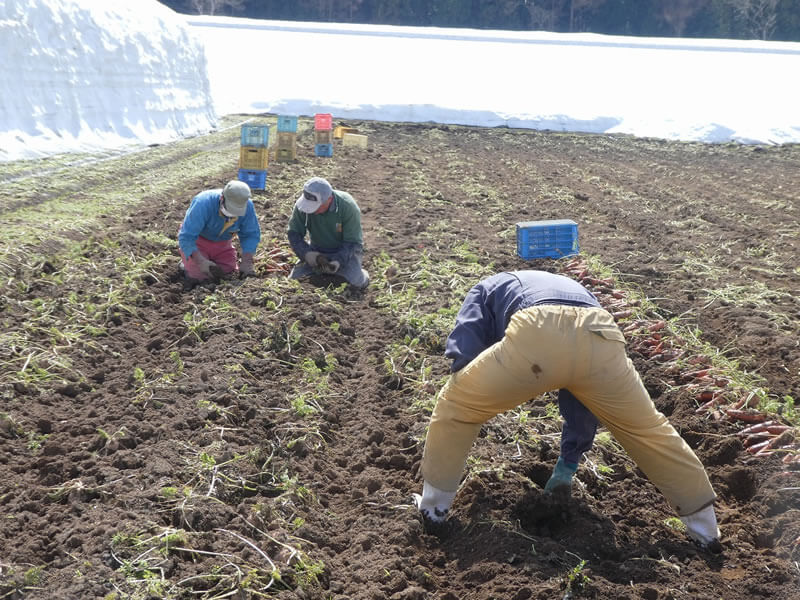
[(560, 481)]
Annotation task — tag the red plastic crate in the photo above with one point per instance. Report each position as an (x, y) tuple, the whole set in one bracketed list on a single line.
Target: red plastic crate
[(323, 121)]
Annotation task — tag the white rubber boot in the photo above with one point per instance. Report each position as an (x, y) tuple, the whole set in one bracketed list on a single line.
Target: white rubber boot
[(702, 527), (434, 503)]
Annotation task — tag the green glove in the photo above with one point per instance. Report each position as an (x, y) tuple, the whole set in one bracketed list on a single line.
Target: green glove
[(561, 477)]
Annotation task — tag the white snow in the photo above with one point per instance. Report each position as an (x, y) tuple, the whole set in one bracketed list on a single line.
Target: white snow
[(85, 75)]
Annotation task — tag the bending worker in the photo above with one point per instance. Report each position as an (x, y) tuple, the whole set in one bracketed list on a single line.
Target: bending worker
[(523, 333), (333, 222), (205, 235)]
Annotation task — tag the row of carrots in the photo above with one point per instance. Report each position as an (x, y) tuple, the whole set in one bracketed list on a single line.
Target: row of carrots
[(275, 260), (651, 339)]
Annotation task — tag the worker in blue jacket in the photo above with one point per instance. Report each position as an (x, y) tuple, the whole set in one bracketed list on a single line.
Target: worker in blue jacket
[(205, 237), (523, 333)]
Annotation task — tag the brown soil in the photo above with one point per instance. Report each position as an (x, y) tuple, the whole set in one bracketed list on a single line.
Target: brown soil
[(100, 467)]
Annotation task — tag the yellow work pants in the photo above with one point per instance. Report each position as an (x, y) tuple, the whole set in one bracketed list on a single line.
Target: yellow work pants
[(551, 347)]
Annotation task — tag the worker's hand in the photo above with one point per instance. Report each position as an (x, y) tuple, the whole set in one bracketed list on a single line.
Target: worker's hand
[(328, 266), (203, 263), (311, 258), (702, 528), (246, 267)]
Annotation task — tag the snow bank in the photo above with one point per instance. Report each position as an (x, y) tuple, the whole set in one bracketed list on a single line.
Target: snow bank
[(87, 75)]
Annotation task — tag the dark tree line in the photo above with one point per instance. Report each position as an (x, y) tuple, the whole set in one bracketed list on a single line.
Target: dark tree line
[(742, 19)]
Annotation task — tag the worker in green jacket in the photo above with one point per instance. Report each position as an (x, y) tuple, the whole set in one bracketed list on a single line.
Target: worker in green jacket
[(332, 220)]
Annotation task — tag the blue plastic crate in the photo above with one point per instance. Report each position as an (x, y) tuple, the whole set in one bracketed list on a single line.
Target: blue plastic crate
[(255, 135), (547, 239), (257, 180), (287, 123), (323, 149)]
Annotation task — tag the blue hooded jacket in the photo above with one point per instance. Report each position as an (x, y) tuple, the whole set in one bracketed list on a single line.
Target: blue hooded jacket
[(204, 219)]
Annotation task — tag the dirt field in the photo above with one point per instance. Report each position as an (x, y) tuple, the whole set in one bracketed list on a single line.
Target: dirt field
[(262, 438)]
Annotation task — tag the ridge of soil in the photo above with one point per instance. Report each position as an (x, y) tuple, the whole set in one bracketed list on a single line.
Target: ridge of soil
[(98, 463)]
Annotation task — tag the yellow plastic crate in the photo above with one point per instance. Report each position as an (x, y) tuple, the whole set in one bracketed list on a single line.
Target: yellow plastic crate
[(253, 158), (287, 139), (340, 130), (285, 154), (354, 139), (323, 136)]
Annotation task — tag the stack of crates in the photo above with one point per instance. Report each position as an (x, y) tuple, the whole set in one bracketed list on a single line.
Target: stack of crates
[(254, 156), (286, 150), (547, 239), (323, 134)]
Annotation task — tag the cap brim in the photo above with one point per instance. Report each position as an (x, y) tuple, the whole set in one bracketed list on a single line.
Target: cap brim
[(307, 206), (234, 211)]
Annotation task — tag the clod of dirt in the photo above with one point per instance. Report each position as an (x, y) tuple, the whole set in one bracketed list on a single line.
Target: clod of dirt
[(541, 513)]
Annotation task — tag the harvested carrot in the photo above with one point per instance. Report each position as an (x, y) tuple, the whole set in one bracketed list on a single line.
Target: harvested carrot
[(706, 396), (755, 438), (778, 429), (737, 405), (772, 443), (707, 406), (699, 360), (697, 374), (745, 415), (751, 401), (757, 428), (755, 448)]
